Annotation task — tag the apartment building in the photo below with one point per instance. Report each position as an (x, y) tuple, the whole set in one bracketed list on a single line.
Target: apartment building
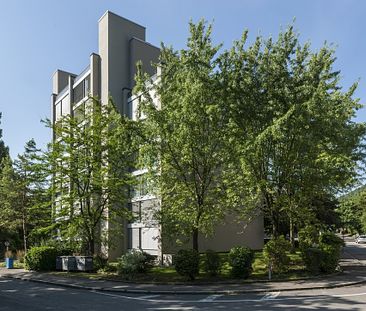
[(110, 72)]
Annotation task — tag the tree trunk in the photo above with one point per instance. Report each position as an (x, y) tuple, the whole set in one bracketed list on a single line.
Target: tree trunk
[(275, 224), (24, 234), (91, 246), (292, 234), (195, 239)]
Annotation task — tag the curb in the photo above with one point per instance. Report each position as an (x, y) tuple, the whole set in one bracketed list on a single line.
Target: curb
[(178, 292)]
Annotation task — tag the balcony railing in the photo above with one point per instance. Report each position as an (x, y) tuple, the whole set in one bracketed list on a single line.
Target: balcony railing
[(80, 76), (62, 93)]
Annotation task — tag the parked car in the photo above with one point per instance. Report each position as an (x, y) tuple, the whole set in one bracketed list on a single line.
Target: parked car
[(361, 239)]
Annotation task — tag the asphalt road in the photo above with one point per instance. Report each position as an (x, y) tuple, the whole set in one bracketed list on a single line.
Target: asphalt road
[(20, 295)]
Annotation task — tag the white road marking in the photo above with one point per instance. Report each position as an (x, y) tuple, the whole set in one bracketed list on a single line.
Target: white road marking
[(170, 301), (173, 308), (349, 295), (270, 296), (210, 298), (308, 298), (149, 296)]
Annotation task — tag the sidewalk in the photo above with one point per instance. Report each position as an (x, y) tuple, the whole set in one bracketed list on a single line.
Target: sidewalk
[(353, 274)]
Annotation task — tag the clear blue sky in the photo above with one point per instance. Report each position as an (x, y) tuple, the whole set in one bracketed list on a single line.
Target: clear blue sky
[(37, 37)]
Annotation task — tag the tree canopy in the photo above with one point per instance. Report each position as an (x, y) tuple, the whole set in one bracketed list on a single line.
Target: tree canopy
[(186, 136), (265, 126), (89, 160)]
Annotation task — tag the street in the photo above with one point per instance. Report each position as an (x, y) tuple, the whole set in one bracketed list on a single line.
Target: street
[(21, 295)]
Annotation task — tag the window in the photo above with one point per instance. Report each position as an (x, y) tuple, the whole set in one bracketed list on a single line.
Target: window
[(134, 238), (58, 110), (78, 92), (65, 105), (135, 208), (82, 90), (79, 113), (87, 86), (141, 188)]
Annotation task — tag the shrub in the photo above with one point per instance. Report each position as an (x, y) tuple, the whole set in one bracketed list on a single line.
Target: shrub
[(275, 254), (308, 237), (313, 258), (42, 258), (99, 262), (108, 269), (329, 238), (331, 245), (9, 254), (186, 263), (62, 248), (150, 260), (330, 258), (134, 262), (212, 262), (325, 257), (20, 255), (240, 260)]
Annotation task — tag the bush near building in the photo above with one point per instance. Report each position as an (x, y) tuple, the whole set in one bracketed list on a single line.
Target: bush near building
[(275, 254), (186, 263), (241, 260), (321, 252), (212, 263), (133, 263), (42, 258)]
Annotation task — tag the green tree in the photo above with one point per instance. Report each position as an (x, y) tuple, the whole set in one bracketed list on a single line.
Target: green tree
[(291, 123), (185, 149), (4, 150), (90, 159), (352, 210), (23, 195)]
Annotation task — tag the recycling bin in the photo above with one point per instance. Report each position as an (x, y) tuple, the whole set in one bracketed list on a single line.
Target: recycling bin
[(84, 263), (69, 263), (9, 263)]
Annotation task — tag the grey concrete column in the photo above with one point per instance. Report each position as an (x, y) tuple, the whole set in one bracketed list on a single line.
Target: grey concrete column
[(53, 112), (71, 94), (95, 75)]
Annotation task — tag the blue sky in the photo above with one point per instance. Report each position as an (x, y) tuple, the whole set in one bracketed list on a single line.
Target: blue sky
[(39, 36)]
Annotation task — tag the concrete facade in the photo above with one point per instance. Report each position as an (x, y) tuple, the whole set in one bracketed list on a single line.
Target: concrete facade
[(110, 73)]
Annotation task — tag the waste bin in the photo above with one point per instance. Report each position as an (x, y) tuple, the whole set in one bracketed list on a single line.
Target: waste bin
[(59, 263), (84, 263), (9, 263), (68, 263)]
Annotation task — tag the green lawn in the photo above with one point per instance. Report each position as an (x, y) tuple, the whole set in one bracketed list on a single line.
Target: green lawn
[(260, 272), (169, 275), (16, 264)]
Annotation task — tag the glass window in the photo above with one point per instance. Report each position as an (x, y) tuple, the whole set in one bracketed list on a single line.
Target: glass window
[(79, 92), (141, 187), (58, 110), (87, 86), (65, 105), (79, 112), (136, 211), (82, 90), (134, 238)]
